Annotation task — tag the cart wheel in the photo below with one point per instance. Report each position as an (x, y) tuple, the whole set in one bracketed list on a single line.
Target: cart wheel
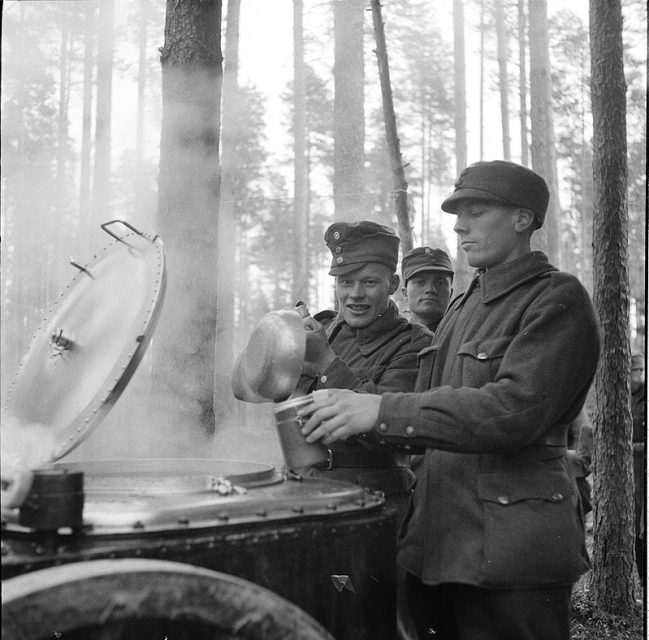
[(135, 599)]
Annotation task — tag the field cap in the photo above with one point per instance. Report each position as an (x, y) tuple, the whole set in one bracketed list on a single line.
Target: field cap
[(425, 259), (501, 181), (354, 244)]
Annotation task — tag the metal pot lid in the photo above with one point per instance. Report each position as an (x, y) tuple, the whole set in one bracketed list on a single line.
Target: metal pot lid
[(90, 343), (270, 365)]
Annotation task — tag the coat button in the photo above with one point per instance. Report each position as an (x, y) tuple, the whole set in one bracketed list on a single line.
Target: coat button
[(409, 431), (383, 427), (557, 497), (482, 356), (503, 499), (323, 378)]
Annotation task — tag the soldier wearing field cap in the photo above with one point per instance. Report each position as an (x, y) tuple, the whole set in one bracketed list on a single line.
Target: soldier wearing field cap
[(494, 537), (365, 346), (427, 278)]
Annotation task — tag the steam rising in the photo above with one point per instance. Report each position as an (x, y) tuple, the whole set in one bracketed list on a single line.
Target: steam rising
[(24, 446)]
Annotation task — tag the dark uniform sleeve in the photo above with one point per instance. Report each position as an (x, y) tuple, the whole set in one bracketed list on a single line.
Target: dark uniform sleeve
[(542, 380)]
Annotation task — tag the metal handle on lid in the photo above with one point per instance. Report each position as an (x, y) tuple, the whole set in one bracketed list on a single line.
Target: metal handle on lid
[(147, 236)]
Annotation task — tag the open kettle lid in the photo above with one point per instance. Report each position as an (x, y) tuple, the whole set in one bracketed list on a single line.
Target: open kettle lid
[(87, 348)]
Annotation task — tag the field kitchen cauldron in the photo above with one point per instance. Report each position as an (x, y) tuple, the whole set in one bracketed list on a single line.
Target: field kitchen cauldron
[(183, 548)]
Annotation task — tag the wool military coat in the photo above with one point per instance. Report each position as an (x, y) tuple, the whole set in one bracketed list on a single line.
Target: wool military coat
[(495, 504)]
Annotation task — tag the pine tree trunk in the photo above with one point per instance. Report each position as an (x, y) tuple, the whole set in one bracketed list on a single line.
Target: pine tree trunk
[(103, 124), (85, 212), (392, 138), (503, 80), (300, 176), (139, 201), (462, 272), (544, 161), (613, 549), (349, 113), (522, 82), (184, 343), (227, 222)]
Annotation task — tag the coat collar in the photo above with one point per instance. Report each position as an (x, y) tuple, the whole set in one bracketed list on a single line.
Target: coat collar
[(503, 278), (371, 338)]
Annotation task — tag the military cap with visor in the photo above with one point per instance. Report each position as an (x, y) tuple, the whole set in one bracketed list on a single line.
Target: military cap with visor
[(425, 259), (504, 182), (354, 244)]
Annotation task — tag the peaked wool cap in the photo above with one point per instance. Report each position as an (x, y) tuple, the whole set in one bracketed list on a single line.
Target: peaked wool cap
[(425, 259), (501, 181), (354, 244)]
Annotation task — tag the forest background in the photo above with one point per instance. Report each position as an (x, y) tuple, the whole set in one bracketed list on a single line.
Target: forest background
[(81, 130)]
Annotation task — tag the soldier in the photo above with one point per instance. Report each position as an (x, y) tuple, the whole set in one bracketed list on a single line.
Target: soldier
[(638, 413), (494, 537), (427, 278), (365, 346)]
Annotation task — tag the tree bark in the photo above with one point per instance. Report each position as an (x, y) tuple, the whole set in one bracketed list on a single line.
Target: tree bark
[(543, 152), (503, 80), (349, 112), (300, 167), (187, 213), (227, 222), (103, 123), (613, 550), (392, 138), (522, 83), (462, 272), (85, 177)]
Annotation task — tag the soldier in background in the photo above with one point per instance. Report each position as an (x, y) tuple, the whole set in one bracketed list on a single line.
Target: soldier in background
[(427, 279)]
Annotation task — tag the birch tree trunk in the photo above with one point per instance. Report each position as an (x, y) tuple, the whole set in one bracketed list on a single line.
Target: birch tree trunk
[(613, 549)]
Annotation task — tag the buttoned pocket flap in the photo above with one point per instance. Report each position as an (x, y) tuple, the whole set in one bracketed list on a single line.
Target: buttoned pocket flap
[(485, 349), (507, 489)]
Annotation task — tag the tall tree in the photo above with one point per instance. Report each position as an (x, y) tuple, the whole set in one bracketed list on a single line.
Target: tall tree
[(85, 175), (103, 120), (392, 138), (349, 113), (461, 277), (187, 212), (522, 82), (300, 166), (613, 548), (543, 151), (503, 79), (227, 224)]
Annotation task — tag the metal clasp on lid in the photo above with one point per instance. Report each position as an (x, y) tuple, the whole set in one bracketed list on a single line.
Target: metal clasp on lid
[(330, 460)]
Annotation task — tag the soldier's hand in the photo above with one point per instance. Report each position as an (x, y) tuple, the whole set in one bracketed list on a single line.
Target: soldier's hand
[(341, 414)]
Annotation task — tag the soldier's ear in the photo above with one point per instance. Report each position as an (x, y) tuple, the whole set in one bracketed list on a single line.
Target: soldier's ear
[(524, 220), (404, 293), (394, 283)]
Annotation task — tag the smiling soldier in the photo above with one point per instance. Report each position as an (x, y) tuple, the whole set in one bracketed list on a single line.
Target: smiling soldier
[(365, 346), (427, 277), (494, 537)]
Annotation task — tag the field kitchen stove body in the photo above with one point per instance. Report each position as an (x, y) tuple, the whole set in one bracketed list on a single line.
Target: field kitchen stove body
[(327, 547)]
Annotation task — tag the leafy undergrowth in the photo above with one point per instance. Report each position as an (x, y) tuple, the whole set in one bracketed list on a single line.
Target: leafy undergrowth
[(589, 623)]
